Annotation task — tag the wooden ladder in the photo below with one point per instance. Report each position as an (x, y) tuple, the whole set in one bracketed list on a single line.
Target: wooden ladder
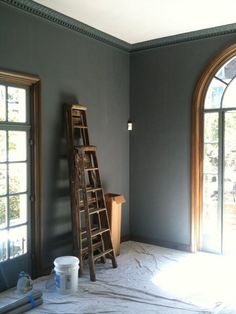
[(90, 225)]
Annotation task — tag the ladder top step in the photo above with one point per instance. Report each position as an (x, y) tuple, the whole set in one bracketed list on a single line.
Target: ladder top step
[(86, 148), (78, 107)]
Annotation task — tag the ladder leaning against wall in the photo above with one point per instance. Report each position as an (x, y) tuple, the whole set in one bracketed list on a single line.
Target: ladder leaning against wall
[(90, 225)]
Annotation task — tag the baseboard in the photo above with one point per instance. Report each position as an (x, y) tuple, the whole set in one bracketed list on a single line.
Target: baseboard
[(166, 244)]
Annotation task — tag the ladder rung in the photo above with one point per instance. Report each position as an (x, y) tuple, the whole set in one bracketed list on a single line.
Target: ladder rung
[(84, 231), (94, 245), (93, 210), (91, 200), (86, 148), (99, 232), (91, 169), (77, 126), (88, 190), (97, 256), (96, 210)]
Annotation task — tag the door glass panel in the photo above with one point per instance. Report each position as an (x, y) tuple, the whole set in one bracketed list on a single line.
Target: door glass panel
[(3, 179), (2, 103), (17, 209), (211, 128), (211, 158), (16, 100), (18, 241), (229, 221), (3, 212), (229, 99), (211, 231), (17, 145), (214, 94), (3, 152), (3, 245), (210, 237), (17, 177)]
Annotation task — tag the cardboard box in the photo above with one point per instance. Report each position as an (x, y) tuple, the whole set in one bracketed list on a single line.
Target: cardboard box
[(114, 204)]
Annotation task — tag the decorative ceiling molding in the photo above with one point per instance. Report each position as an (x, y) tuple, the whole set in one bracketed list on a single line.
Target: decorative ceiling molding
[(181, 38), (67, 22)]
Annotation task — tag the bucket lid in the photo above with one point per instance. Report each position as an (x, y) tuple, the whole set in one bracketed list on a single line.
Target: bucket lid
[(66, 261)]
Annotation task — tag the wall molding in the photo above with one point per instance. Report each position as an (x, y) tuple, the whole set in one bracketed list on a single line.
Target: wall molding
[(55, 17), (84, 29), (185, 37)]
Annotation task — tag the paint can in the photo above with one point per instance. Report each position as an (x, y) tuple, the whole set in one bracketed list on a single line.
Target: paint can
[(66, 274)]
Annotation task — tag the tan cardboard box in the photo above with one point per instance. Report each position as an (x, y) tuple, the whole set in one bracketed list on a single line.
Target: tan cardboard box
[(114, 204)]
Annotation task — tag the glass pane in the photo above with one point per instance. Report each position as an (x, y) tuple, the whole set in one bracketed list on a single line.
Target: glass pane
[(229, 99), (16, 98), (17, 177), (2, 103), (229, 221), (211, 127), (228, 70), (17, 209), (214, 94), (17, 145), (211, 158), (18, 241), (211, 235), (3, 245), (3, 152), (3, 212), (3, 179)]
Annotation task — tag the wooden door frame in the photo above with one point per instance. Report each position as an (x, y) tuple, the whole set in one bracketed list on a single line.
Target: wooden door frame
[(33, 82), (197, 141)]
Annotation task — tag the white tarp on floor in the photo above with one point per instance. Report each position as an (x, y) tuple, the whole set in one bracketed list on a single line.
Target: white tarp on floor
[(149, 279)]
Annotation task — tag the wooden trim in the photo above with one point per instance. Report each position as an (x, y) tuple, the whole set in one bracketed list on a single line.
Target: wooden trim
[(34, 84), (197, 142), (18, 78), (36, 180)]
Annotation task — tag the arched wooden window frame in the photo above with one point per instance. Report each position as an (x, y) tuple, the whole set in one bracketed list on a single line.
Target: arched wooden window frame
[(197, 141)]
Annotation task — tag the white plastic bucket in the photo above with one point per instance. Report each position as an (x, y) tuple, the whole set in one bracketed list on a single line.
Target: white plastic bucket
[(66, 269)]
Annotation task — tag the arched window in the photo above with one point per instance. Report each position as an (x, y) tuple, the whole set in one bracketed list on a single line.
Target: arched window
[(214, 156)]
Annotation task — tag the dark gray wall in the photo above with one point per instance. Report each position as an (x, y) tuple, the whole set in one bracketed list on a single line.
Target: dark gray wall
[(162, 85), (73, 68)]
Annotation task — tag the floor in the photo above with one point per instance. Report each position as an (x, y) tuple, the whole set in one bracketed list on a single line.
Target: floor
[(149, 279)]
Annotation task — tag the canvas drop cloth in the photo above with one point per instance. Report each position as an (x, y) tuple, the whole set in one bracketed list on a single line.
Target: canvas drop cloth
[(149, 279)]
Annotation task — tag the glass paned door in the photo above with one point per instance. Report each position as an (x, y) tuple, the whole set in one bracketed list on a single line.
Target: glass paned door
[(15, 182), (218, 216)]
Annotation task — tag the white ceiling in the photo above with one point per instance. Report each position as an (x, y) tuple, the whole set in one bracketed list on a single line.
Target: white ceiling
[(140, 20)]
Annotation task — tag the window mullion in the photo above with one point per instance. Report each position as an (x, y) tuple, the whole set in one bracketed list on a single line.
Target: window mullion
[(221, 174)]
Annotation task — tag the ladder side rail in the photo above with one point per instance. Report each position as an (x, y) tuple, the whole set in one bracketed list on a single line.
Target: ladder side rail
[(72, 181), (86, 215)]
